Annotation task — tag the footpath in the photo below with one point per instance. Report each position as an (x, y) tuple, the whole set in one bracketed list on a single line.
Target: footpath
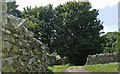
[(81, 70), (75, 69)]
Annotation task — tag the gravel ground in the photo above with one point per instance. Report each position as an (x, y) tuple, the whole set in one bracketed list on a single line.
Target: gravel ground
[(75, 69), (81, 70)]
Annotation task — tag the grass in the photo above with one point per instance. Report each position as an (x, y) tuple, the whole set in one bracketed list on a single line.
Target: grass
[(58, 68), (108, 67)]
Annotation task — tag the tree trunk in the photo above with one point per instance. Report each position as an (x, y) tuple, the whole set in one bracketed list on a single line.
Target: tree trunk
[(77, 59)]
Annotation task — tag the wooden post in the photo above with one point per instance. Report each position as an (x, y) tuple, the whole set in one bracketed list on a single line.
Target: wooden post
[(63, 62)]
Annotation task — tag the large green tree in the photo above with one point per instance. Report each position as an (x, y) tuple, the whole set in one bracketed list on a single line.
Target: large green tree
[(71, 29), (41, 19), (77, 31)]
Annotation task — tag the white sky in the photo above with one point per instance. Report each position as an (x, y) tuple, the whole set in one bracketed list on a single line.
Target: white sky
[(110, 28), (103, 3), (95, 3)]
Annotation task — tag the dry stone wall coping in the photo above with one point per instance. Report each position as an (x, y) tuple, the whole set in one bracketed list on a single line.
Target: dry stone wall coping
[(103, 58)]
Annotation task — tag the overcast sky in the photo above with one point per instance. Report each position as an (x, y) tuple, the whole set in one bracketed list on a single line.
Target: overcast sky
[(108, 10)]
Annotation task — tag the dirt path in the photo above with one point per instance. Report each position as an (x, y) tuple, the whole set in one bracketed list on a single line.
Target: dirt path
[(81, 70), (75, 69)]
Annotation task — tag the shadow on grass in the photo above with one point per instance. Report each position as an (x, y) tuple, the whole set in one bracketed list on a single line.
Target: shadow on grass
[(51, 65), (50, 71), (58, 69)]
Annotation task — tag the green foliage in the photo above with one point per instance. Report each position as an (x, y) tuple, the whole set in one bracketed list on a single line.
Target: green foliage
[(12, 9), (108, 67), (40, 22), (117, 46), (77, 31), (110, 42), (71, 29)]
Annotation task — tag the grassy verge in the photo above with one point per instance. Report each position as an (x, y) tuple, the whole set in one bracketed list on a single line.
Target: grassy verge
[(108, 67), (58, 68)]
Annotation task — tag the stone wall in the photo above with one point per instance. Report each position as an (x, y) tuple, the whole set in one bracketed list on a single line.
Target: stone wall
[(61, 61), (21, 51), (103, 58), (54, 61)]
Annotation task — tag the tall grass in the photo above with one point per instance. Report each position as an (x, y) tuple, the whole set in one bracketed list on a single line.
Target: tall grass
[(108, 67)]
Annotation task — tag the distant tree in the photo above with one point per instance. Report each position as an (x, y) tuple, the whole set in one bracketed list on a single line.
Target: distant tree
[(77, 31), (12, 9), (117, 46), (110, 39)]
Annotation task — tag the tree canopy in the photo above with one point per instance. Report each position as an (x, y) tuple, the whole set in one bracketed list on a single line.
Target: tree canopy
[(12, 9), (110, 42), (41, 19), (77, 31), (71, 29)]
